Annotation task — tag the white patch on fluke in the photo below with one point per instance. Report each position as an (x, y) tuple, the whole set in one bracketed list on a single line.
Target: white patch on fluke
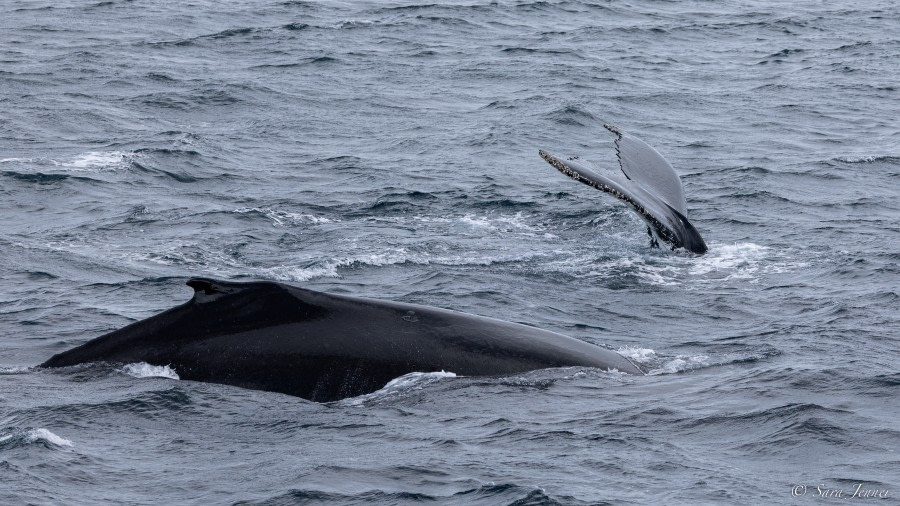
[(145, 370)]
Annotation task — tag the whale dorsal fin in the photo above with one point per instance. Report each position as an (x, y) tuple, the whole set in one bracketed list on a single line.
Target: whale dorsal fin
[(203, 288), (645, 166)]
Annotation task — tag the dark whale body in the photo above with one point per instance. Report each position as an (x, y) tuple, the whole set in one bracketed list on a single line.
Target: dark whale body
[(323, 347), (650, 186)]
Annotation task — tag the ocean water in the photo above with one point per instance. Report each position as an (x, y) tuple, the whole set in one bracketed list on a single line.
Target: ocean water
[(389, 149)]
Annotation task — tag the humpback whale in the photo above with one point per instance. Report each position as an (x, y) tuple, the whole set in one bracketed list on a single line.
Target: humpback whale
[(324, 347), (651, 187)]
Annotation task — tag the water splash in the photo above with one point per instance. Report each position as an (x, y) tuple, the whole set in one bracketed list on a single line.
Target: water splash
[(399, 386), (145, 370), (655, 364)]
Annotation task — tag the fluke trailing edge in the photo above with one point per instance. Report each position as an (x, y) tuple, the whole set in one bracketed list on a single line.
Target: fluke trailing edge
[(324, 347), (651, 187)]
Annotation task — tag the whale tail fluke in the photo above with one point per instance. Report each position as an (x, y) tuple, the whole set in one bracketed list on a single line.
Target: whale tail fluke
[(643, 164), (651, 187)]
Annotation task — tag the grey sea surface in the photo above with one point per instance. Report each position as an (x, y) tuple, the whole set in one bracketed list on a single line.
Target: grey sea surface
[(389, 149)]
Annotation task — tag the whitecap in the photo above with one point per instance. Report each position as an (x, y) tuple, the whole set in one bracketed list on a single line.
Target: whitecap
[(866, 159), (15, 369), (352, 23), (35, 435), (89, 161), (279, 218), (98, 160), (856, 159)]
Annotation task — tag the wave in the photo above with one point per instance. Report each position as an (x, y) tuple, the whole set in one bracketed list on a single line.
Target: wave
[(40, 177), (295, 26), (31, 436), (89, 161), (572, 115), (350, 24), (181, 177), (485, 494), (330, 268), (868, 159)]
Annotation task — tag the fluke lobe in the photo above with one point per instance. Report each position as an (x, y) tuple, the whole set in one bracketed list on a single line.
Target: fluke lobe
[(651, 187), (325, 347)]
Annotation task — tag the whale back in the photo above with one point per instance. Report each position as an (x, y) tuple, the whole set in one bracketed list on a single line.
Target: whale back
[(324, 347)]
